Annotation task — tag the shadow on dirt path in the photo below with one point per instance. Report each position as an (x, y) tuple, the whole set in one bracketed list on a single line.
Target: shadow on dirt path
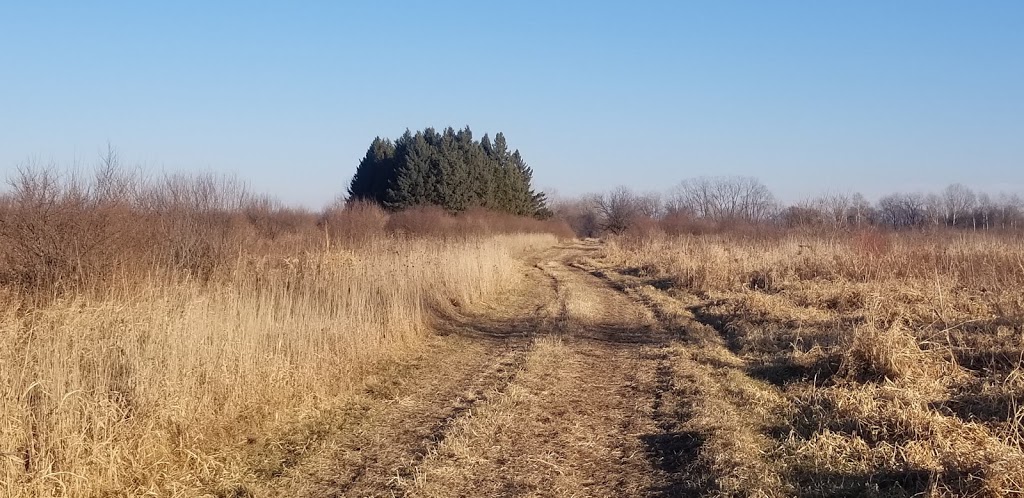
[(562, 389), (589, 414)]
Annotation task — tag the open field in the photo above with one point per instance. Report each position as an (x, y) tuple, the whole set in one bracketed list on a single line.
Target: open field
[(870, 364), (417, 354), (162, 390), (674, 249), (177, 338)]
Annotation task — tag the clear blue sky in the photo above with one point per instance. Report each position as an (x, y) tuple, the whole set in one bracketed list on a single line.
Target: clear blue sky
[(806, 95)]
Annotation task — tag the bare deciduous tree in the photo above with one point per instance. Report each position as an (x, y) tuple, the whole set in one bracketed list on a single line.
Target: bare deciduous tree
[(736, 198), (903, 210), (618, 209), (860, 213), (958, 201), (650, 205), (580, 213), (935, 210), (983, 211), (1009, 211), (835, 206)]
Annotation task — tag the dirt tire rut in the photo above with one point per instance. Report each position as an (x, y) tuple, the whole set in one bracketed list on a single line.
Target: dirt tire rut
[(564, 389), (582, 418)]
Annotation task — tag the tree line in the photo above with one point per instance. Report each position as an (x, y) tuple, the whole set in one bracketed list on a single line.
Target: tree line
[(706, 202), (956, 206), (448, 169), (452, 170)]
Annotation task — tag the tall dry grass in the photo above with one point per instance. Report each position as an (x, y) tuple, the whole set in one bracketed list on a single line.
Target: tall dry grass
[(151, 328), (867, 264)]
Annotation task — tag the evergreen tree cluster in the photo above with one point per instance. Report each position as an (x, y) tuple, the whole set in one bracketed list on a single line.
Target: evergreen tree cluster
[(447, 169)]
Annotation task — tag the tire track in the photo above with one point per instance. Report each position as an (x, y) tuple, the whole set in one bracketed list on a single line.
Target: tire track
[(671, 451), (566, 389), (717, 432), (673, 448), (587, 415), (389, 476), (378, 451)]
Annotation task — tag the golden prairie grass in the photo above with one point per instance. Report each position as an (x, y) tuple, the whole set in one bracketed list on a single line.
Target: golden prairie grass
[(150, 392), (898, 356), (150, 330)]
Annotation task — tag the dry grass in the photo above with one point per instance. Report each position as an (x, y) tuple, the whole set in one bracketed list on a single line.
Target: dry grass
[(897, 357), (143, 393), (150, 331), (574, 420)]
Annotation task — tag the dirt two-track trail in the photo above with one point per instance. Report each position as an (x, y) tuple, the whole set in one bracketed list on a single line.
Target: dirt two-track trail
[(559, 389)]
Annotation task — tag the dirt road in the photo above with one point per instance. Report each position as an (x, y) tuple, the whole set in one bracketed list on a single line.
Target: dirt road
[(594, 380), (565, 388)]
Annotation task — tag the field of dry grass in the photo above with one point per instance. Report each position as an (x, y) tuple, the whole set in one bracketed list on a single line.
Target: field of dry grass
[(149, 392), (868, 364), (179, 337), (172, 351)]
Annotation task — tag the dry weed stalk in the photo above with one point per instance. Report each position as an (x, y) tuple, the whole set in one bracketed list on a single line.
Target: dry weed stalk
[(901, 353), (149, 328)]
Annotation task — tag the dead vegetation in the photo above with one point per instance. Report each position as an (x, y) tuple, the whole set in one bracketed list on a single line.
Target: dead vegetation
[(870, 364), (155, 331), (181, 337)]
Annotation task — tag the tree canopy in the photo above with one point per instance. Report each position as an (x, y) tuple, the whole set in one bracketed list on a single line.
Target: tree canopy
[(447, 169)]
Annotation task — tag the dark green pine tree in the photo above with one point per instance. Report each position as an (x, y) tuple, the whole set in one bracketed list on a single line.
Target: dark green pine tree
[(520, 194), (452, 188), (376, 172), (500, 161), (414, 183), (479, 172)]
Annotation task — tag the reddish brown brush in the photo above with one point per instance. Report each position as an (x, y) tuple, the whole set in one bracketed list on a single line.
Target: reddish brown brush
[(151, 326)]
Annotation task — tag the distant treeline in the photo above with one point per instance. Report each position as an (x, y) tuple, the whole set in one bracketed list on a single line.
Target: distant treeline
[(448, 169), (956, 206), (712, 203)]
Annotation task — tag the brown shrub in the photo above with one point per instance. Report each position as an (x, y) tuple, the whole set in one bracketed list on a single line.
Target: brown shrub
[(871, 243), (765, 279), (271, 220), (421, 221), (681, 223), (483, 222), (433, 221), (644, 227), (353, 224), (63, 234), (59, 233)]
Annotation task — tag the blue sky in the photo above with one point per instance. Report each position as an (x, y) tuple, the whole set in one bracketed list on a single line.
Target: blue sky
[(809, 96)]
